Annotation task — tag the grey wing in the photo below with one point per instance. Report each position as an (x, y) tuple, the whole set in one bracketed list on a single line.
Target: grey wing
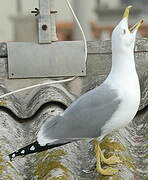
[(85, 117)]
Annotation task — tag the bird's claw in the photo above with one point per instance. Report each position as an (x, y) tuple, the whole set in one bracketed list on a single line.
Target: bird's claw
[(108, 171), (112, 160)]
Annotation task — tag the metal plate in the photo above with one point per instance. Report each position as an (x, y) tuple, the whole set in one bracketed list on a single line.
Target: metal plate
[(26, 60)]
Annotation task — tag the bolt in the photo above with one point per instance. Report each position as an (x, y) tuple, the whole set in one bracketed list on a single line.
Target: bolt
[(44, 27)]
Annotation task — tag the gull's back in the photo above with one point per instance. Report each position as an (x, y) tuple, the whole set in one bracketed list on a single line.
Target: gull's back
[(91, 111)]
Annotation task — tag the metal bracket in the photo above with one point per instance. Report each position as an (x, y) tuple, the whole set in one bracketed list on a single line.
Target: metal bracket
[(46, 22), (59, 59)]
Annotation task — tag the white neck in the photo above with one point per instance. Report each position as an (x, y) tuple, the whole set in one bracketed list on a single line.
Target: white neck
[(123, 62), (123, 66)]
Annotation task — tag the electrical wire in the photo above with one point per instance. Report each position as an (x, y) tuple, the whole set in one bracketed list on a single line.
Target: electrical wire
[(37, 85)]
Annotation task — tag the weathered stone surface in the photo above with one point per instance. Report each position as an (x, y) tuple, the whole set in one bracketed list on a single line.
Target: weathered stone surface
[(23, 113)]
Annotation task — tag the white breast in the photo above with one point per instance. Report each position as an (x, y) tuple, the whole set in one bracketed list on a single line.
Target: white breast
[(129, 94)]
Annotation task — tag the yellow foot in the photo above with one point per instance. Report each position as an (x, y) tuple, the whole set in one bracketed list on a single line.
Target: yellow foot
[(107, 172), (111, 160), (100, 158)]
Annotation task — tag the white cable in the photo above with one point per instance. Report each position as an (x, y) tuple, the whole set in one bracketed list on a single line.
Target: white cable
[(37, 85), (74, 15)]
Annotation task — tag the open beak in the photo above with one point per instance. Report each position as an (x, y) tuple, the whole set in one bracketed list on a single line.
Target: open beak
[(137, 25)]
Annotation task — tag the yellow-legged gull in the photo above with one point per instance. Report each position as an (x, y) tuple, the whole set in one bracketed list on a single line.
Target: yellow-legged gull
[(108, 107)]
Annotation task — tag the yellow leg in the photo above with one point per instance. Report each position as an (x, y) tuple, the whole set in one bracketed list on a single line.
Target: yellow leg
[(108, 171), (111, 160)]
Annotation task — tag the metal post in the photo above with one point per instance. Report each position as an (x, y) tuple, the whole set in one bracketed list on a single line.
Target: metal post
[(46, 22)]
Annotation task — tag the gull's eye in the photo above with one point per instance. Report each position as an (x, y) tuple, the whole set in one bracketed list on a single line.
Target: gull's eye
[(124, 31)]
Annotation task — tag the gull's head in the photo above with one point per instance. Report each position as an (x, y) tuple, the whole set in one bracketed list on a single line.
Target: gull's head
[(123, 37)]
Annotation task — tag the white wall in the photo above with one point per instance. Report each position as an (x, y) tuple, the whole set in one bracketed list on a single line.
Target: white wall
[(86, 13), (64, 13), (7, 8)]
